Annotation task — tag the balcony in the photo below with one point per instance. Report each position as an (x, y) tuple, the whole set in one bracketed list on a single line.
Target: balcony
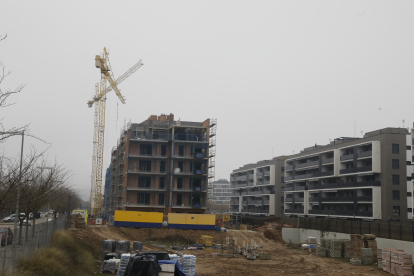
[(327, 161), (364, 198), (307, 164), (266, 202), (288, 167), (314, 199), (251, 176), (250, 184), (241, 177), (338, 199), (327, 173), (266, 172), (189, 206), (347, 157), (299, 199), (147, 172), (288, 178), (149, 189), (356, 170), (294, 211), (150, 136), (190, 137), (288, 199), (365, 154), (307, 175), (344, 185), (145, 205), (147, 156), (288, 188)]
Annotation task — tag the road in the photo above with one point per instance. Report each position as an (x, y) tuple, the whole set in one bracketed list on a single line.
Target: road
[(11, 224)]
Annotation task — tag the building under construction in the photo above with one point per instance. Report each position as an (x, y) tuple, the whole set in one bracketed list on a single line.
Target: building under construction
[(162, 165)]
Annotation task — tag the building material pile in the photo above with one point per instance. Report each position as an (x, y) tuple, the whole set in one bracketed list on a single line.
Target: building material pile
[(335, 249), (346, 249), (366, 256), (397, 262), (123, 264), (321, 252), (137, 246), (76, 221), (122, 246), (379, 258), (188, 263), (175, 257), (357, 242), (370, 242)]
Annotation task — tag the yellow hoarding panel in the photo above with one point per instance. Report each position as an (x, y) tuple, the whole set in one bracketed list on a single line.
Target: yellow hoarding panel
[(193, 219), (133, 216)]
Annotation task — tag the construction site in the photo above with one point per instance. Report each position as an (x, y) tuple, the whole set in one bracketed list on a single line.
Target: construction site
[(230, 252)]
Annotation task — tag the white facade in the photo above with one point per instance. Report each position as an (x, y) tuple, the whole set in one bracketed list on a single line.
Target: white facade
[(221, 192), (309, 192), (253, 190)]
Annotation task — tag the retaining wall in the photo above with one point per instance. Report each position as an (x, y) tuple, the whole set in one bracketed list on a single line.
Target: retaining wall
[(300, 235)]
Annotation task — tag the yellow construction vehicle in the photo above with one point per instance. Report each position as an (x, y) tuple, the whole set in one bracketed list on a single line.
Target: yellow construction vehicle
[(205, 240)]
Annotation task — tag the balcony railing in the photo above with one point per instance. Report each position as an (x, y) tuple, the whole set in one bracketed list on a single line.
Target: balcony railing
[(147, 171), (314, 199), (365, 198), (288, 167), (288, 178), (347, 157), (307, 164), (327, 161), (299, 199), (337, 198), (241, 177), (294, 211), (266, 172), (344, 185), (251, 176), (327, 173), (365, 154), (307, 175), (149, 136), (288, 199), (190, 137), (356, 170)]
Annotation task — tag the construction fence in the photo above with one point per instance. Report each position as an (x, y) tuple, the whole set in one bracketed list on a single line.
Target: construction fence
[(10, 253), (388, 230)]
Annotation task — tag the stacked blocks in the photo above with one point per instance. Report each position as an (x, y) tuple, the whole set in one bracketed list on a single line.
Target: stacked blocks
[(397, 262), (123, 264), (188, 263), (366, 256), (335, 249)]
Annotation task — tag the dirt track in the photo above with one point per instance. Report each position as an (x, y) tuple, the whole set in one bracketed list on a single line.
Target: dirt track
[(284, 260)]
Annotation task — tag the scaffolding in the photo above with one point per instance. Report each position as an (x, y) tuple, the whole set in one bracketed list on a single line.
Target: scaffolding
[(211, 157)]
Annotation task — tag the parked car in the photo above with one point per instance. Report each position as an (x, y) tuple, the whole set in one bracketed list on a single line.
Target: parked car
[(10, 218), (25, 222), (43, 214), (3, 231)]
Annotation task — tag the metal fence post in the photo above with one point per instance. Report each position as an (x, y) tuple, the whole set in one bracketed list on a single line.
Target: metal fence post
[(5, 251)]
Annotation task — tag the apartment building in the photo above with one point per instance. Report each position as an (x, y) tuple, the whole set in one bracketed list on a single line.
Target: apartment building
[(257, 188), (162, 165), (365, 178), (221, 191)]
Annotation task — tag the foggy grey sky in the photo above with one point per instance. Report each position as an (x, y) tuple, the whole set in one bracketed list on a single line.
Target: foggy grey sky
[(276, 74)]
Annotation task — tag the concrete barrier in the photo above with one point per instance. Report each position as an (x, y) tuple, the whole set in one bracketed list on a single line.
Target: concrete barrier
[(300, 235)]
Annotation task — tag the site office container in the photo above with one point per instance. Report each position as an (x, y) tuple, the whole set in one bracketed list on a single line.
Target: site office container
[(138, 219), (83, 213), (191, 221)]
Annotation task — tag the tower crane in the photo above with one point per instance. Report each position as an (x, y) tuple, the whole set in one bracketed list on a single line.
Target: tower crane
[(102, 62)]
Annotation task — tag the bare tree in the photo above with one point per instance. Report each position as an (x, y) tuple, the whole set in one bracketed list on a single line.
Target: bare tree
[(5, 93), (213, 207)]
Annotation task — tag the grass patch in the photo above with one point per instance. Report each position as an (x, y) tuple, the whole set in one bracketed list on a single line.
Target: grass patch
[(66, 256)]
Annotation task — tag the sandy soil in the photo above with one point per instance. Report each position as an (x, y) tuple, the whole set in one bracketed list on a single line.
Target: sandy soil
[(284, 260)]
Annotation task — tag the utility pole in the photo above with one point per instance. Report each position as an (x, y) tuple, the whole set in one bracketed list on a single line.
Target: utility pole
[(68, 218), (18, 204)]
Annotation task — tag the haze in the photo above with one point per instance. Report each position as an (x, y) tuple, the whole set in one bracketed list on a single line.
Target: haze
[(278, 75)]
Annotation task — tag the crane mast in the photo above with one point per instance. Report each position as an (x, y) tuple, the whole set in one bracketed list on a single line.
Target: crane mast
[(99, 125)]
